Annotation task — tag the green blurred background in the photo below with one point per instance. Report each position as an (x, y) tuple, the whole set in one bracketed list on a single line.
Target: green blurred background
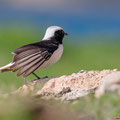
[(93, 44), (91, 55)]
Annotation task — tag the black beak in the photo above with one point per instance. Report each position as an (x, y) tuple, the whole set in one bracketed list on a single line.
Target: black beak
[(66, 33)]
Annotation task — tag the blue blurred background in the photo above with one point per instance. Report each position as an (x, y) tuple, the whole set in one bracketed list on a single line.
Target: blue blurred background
[(81, 18)]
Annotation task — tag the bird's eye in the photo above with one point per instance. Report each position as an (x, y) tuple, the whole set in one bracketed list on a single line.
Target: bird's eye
[(59, 32), (62, 31)]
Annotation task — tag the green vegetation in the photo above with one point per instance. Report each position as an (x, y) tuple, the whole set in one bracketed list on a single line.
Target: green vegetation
[(77, 56)]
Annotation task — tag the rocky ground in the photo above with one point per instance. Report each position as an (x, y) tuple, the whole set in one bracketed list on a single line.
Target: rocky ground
[(38, 98), (75, 85)]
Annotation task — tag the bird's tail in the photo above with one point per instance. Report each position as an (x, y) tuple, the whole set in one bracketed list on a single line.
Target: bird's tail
[(6, 67)]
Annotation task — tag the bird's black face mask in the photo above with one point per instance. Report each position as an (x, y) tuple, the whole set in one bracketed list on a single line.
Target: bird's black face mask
[(59, 35)]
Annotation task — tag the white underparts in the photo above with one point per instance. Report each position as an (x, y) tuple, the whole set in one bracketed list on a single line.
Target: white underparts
[(54, 58)]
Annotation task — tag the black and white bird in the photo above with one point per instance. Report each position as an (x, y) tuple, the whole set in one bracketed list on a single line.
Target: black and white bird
[(38, 55)]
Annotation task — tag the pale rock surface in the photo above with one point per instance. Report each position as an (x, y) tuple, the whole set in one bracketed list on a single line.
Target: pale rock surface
[(76, 85), (110, 83), (81, 83)]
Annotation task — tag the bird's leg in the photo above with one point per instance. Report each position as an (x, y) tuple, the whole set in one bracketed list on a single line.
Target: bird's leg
[(36, 75), (25, 81)]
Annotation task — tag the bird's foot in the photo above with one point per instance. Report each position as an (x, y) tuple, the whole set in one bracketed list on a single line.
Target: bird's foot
[(39, 78), (45, 77)]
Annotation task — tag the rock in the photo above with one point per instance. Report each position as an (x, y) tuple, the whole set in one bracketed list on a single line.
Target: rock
[(79, 84), (74, 86), (110, 83)]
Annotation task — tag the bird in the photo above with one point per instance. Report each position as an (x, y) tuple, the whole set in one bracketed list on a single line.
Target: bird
[(36, 56)]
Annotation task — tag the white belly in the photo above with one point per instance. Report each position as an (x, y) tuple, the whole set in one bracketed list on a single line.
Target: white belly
[(54, 58)]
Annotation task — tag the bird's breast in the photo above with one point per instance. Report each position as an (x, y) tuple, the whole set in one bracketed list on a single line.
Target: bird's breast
[(54, 58)]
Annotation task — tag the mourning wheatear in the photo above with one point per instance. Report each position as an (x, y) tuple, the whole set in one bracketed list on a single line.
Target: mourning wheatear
[(38, 55)]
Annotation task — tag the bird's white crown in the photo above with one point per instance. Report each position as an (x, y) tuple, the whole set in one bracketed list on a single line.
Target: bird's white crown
[(50, 32)]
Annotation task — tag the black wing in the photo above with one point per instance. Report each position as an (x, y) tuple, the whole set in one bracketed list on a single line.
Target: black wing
[(30, 57)]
